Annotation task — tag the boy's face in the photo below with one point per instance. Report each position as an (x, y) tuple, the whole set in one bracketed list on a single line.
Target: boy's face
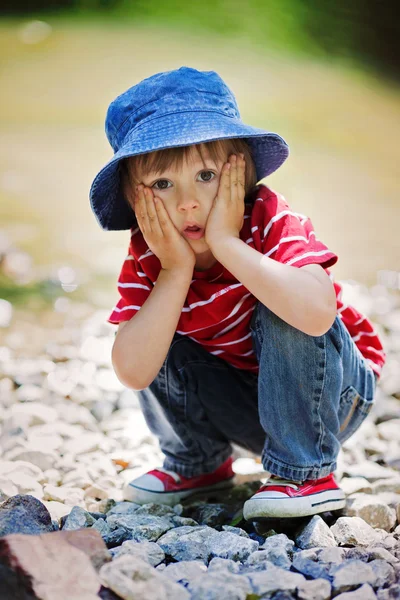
[(188, 195)]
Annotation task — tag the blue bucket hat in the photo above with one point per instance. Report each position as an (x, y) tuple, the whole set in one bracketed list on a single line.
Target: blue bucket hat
[(174, 108)]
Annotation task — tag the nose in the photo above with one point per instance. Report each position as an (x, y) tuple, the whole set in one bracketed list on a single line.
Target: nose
[(187, 201)]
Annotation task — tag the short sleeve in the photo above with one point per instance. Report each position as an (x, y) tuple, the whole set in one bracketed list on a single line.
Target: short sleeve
[(289, 237), (134, 288)]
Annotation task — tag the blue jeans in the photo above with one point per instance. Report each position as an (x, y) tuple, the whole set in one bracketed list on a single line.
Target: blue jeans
[(310, 395)]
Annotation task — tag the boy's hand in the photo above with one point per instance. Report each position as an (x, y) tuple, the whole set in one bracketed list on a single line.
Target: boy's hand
[(226, 216), (160, 234)]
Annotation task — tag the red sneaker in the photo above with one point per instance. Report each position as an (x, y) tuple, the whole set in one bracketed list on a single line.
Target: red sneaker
[(282, 498), (167, 487)]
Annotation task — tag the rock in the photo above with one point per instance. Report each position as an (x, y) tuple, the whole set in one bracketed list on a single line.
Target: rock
[(220, 586), (15, 585), (101, 526), (78, 518), (56, 567), (148, 551), (370, 470), (133, 579), (235, 530), (350, 485), (213, 515), (351, 575), (185, 572), (273, 580), (123, 508), (69, 495), (392, 593), (37, 412), (317, 589), (384, 572), (315, 533), (86, 443), (389, 430), (216, 565), (25, 484), (386, 485), (117, 537), (231, 546), (353, 531), (91, 543), (43, 460), (57, 510), (310, 568), (188, 543), (24, 514), (374, 511), (141, 527), (261, 558), (365, 592), (382, 554)]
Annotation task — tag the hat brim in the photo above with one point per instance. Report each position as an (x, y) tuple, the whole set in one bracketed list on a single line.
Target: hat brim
[(269, 151)]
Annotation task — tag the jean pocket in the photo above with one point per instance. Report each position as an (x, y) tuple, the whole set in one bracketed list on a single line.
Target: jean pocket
[(353, 410)]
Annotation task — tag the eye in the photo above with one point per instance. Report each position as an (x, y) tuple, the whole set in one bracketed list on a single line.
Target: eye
[(209, 176), (159, 185)]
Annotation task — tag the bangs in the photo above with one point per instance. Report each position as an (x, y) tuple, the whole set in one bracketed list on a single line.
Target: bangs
[(175, 158)]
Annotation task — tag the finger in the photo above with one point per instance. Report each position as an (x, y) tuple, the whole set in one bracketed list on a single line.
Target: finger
[(241, 174), (234, 178), (163, 217), (151, 212), (141, 211), (225, 180)]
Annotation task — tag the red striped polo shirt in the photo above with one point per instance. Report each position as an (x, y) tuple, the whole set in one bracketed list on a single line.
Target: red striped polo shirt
[(218, 308)]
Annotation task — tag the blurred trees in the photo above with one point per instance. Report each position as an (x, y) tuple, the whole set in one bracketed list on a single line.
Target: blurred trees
[(364, 30)]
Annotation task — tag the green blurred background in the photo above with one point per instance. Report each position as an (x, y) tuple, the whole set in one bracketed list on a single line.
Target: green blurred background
[(323, 75)]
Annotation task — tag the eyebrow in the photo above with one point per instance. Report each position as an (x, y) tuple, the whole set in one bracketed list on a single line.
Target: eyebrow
[(193, 165)]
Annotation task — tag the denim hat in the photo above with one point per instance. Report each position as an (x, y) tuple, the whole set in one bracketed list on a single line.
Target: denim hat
[(174, 108)]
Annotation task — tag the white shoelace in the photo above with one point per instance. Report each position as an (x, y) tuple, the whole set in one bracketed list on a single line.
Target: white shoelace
[(283, 482), (171, 473)]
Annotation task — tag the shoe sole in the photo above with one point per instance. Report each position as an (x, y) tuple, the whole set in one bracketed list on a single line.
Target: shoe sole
[(138, 495), (270, 508)]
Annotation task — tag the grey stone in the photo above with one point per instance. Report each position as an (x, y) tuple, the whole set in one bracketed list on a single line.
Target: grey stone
[(122, 508), (101, 527), (331, 556), (351, 575), (220, 586), (235, 530), (117, 537), (317, 589), (310, 568), (231, 546), (217, 564), (188, 543), (148, 551), (383, 554), (372, 510), (353, 531), (391, 593), (385, 574), (273, 580), (262, 558), (24, 514), (315, 533), (279, 539), (78, 518), (365, 592), (186, 571), (142, 527), (134, 579), (157, 510)]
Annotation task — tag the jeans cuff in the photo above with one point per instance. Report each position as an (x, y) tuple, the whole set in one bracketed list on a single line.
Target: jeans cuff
[(292, 473), (194, 470)]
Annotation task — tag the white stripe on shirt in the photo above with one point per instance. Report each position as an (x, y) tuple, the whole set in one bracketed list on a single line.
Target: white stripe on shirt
[(297, 258)]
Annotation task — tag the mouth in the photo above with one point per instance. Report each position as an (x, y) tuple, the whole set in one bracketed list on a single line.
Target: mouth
[(193, 232)]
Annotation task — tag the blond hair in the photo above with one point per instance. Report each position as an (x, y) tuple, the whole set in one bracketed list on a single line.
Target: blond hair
[(161, 160)]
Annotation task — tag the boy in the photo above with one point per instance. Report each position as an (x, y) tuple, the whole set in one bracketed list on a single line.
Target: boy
[(230, 325)]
